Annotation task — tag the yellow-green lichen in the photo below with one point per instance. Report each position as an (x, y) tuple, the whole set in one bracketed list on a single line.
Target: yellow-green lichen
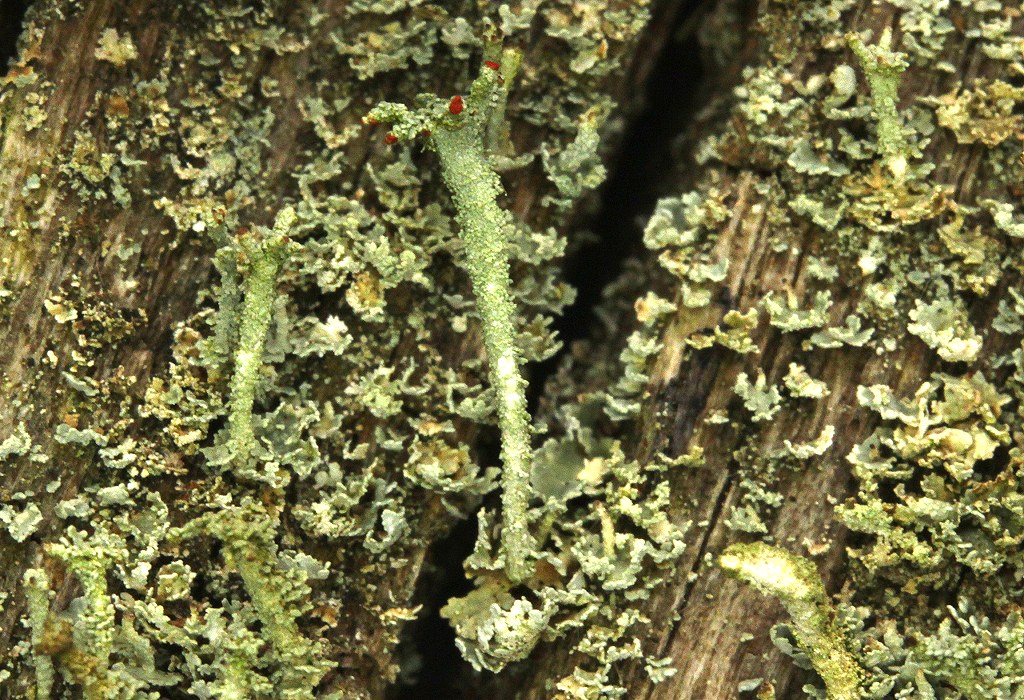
[(263, 258), (797, 585)]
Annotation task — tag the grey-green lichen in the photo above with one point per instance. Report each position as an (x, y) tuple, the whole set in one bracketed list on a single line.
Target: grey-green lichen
[(21, 522), (278, 589), (494, 625), (883, 68), (608, 516), (456, 132), (363, 411), (878, 261), (943, 433), (88, 556), (37, 595), (797, 585), (760, 398), (356, 425)]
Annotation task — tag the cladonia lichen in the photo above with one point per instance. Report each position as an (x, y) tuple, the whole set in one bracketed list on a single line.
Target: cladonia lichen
[(277, 592), (883, 68), (455, 130), (262, 253), (329, 391), (886, 223), (37, 594), (796, 583)]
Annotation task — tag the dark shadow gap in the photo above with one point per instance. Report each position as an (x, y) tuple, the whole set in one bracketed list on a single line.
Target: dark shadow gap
[(432, 666), (638, 174), (12, 15)]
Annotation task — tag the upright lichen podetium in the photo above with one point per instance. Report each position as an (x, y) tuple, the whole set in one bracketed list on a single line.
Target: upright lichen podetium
[(796, 583), (263, 256), (883, 68), (455, 129)]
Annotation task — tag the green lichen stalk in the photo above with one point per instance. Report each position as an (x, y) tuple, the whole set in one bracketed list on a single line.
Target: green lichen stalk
[(246, 533), (796, 583), (37, 596), (884, 68), (264, 261), (456, 130)]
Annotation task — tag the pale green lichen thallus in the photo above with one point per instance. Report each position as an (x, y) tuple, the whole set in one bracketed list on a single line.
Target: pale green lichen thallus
[(455, 131)]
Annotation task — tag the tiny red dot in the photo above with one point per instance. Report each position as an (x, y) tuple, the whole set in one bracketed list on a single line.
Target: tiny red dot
[(390, 139), (492, 65), (456, 105)]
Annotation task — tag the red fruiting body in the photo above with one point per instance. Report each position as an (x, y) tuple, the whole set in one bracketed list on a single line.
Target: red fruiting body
[(456, 105), (370, 120), (493, 65), (390, 139)]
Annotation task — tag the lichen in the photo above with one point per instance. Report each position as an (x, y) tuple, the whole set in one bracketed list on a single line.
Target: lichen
[(37, 596), (456, 131), (788, 317), (883, 68), (277, 588), (21, 523), (760, 398), (944, 326), (358, 404), (875, 261), (115, 49), (263, 258), (797, 585), (623, 543), (325, 390), (983, 114), (89, 556)]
